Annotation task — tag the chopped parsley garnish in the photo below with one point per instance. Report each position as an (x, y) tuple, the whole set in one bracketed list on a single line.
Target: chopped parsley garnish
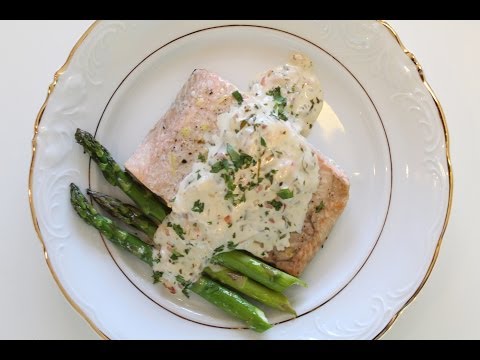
[(202, 157), (263, 142), (234, 156), (180, 279), (270, 174), (175, 255), (276, 204), (219, 249), (243, 198), (178, 229), (279, 103), (157, 276), (237, 96), (285, 193), (228, 181), (198, 206), (251, 185), (239, 160), (231, 245), (320, 207), (219, 166)]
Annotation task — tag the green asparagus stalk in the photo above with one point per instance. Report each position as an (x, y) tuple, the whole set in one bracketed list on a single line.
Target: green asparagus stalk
[(148, 202), (232, 303), (257, 270), (251, 288), (132, 216), (222, 297), (107, 227), (127, 213)]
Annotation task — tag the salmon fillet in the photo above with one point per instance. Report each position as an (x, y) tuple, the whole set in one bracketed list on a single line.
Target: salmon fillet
[(169, 150), (324, 209)]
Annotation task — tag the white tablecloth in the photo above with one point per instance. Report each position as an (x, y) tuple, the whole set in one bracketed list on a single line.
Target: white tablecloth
[(31, 305)]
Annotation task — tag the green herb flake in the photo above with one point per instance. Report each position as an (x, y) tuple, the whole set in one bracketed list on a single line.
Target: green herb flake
[(270, 174), (280, 103), (178, 229), (251, 185), (157, 275), (237, 96), (219, 166), (219, 249), (186, 284), (185, 289), (228, 181), (285, 193), (320, 207), (277, 95), (263, 142), (175, 255), (180, 279), (198, 206), (277, 205), (231, 245), (202, 157), (239, 160)]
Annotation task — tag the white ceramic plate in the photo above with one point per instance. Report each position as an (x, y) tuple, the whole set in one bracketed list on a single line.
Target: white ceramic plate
[(390, 137)]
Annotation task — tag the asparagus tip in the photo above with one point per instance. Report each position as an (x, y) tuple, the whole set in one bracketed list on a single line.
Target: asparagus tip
[(301, 283), (289, 309)]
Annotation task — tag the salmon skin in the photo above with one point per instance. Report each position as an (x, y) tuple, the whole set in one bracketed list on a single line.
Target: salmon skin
[(170, 149)]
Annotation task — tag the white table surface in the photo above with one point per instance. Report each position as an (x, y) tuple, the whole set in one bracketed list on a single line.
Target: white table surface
[(31, 305)]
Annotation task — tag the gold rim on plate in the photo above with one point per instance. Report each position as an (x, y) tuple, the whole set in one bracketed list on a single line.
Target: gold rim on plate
[(64, 67)]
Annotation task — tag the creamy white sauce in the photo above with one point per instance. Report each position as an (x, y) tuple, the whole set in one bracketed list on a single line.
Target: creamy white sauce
[(255, 183)]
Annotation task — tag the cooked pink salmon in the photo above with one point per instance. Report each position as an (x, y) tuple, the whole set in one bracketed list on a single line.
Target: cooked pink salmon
[(173, 145), (169, 150)]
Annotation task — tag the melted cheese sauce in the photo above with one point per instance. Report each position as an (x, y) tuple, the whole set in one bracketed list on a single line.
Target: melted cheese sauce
[(253, 187)]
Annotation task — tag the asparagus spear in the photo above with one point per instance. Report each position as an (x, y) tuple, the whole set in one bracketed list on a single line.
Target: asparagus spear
[(232, 303), (127, 213), (222, 297), (147, 201), (106, 226), (132, 216), (257, 270), (250, 288)]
